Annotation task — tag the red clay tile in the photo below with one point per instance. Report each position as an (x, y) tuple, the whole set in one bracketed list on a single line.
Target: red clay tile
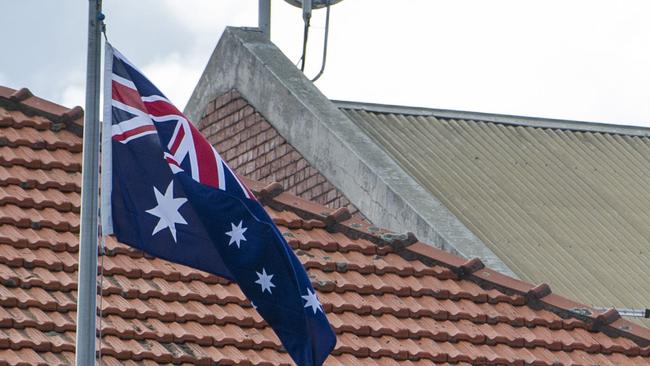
[(29, 357), (19, 119), (41, 179), (389, 306), (40, 159), (40, 138), (39, 199)]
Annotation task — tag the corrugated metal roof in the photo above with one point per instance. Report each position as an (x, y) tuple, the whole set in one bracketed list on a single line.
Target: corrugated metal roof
[(557, 205)]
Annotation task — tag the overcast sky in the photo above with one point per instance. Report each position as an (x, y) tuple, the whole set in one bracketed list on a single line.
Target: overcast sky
[(580, 60)]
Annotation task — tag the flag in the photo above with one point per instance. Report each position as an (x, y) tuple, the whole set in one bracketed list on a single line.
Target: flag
[(167, 192)]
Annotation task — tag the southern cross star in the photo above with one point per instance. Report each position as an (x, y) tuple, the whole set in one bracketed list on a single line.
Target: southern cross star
[(236, 234), (167, 210), (312, 301), (264, 280)]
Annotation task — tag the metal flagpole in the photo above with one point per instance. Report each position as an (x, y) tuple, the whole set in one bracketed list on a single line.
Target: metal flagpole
[(88, 238), (264, 17)]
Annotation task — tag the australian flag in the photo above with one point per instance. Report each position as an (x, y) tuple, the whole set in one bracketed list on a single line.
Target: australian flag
[(167, 192)]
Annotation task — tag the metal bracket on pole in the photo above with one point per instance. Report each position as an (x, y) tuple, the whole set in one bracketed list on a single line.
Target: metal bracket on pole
[(88, 235)]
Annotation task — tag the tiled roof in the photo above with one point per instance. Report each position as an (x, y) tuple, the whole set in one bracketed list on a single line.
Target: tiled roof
[(392, 300), (557, 201)]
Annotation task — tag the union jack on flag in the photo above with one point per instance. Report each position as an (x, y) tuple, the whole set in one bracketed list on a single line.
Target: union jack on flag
[(136, 115), (167, 192)]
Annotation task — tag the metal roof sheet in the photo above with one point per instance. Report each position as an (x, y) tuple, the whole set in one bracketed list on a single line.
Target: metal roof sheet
[(557, 203)]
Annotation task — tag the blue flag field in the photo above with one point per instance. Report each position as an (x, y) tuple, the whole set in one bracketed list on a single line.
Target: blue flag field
[(167, 192)]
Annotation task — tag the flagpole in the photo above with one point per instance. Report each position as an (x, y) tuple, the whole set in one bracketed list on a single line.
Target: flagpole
[(264, 17), (88, 235)]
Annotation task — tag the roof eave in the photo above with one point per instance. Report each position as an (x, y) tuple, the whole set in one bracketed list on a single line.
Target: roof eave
[(506, 119)]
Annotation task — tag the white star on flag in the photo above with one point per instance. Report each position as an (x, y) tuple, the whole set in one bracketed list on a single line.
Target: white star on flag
[(167, 210), (312, 301), (264, 280), (236, 234)]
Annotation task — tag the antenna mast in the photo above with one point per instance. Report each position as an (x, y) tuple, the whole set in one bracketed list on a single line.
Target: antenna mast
[(264, 17)]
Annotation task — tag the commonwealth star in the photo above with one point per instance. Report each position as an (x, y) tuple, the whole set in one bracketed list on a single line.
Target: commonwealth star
[(167, 210)]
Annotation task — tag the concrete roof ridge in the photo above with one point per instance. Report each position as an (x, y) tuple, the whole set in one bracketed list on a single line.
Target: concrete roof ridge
[(409, 247), (334, 145), (507, 119), (25, 101)]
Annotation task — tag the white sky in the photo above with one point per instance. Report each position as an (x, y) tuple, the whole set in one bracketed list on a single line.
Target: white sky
[(580, 60)]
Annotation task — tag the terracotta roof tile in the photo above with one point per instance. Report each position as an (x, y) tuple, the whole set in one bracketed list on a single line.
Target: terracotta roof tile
[(36, 219), (18, 119), (30, 357), (40, 159), (18, 135), (392, 300), (40, 179), (34, 198)]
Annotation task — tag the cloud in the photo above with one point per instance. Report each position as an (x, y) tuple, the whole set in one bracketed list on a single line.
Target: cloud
[(208, 15), (175, 76), (502, 57), (583, 60), (71, 89), (204, 20), (73, 95)]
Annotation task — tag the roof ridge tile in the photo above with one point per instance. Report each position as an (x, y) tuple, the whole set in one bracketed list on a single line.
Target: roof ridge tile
[(538, 292), (269, 192), (26, 102), (339, 220), (469, 267), (20, 95)]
